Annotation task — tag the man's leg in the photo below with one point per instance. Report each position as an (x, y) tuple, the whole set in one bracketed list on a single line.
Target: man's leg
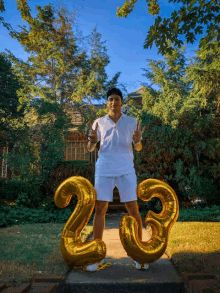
[(99, 219), (133, 210)]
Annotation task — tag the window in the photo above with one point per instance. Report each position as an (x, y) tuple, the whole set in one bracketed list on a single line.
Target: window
[(77, 150), (76, 118)]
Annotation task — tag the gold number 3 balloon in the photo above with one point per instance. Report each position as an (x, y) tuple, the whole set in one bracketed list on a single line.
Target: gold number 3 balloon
[(150, 251), (74, 251)]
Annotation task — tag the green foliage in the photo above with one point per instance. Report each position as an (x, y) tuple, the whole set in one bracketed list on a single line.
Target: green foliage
[(59, 58), (181, 140), (207, 214), (153, 7), (190, 19), (202, 187), (23, 199), (199, 214), (68, 74), (11, 189), (46, 213), (2, 7), (65, 170), (41, 148), (127, 8), (10, 110), (19, 214)]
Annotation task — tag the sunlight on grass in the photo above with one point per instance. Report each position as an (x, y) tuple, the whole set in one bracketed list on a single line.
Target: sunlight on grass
[(194, 237), (194, 247), (34, 250)]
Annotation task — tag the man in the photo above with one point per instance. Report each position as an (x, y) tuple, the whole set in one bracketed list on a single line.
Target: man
[(115, 166)]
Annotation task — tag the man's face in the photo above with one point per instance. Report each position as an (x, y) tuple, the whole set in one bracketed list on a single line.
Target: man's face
[(114, 103)]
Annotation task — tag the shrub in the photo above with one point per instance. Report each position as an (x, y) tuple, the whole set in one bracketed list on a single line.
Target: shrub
[(65, 170), (22, 192)]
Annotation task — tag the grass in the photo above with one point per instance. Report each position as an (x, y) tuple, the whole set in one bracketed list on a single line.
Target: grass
[(194, 247), (31, 250)]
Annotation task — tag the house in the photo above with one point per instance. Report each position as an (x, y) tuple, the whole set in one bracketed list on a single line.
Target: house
[(135, 96), (76, 141)]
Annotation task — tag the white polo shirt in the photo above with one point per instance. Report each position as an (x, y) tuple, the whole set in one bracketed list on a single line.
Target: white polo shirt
[(115, 156)]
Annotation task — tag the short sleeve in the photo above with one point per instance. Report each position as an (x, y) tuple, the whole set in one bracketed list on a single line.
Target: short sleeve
[(98, 129)]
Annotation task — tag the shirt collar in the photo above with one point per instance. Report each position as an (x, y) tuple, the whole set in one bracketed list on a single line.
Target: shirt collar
[(122, 115)]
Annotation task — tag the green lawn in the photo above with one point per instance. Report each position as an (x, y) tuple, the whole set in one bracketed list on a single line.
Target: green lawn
[(31, 250)]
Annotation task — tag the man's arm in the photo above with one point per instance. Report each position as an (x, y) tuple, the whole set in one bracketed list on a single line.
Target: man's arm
[(138, 146), (93, 137), (137, 136)]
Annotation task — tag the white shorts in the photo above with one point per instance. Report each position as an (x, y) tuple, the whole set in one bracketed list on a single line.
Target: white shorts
[(126, 184)]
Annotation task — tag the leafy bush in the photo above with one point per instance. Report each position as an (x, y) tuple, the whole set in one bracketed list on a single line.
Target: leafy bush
[(181, 142), (10, 189), (207, 214), (206, 188), (22, 192), (19, 214), (31, 195), (65, 170)]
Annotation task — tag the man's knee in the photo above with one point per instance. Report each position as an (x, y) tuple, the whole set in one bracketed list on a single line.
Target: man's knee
[(101, 207)]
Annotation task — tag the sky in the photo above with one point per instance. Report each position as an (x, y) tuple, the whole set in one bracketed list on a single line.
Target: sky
[(124, 37)]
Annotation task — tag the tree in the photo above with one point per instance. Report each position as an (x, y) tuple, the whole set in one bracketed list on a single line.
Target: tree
[(192, 18), (204, 100), (58, 73), (68, 72), (2, 9), (169, 76), (181, 142), (10, 108), (98, 61), (54, 57)]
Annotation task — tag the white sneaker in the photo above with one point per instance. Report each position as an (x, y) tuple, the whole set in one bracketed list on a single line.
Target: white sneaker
[(94, 267), (138, 266)]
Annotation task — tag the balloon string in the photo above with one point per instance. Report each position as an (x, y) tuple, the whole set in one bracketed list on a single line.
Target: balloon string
[(104, 266)]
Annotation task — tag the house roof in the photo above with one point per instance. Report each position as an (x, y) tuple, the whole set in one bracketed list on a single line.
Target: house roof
[(134, 95)]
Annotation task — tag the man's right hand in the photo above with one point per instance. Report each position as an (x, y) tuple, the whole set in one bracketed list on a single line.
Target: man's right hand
[(93, 137)]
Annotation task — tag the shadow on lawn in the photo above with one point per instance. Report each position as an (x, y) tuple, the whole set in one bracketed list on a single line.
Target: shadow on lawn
[(197, 262)]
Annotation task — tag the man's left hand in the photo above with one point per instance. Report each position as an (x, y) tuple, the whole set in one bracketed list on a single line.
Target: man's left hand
[(138, 133)]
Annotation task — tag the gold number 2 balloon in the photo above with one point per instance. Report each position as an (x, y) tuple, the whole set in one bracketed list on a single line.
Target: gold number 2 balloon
[(150, 251), (74, 251)]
